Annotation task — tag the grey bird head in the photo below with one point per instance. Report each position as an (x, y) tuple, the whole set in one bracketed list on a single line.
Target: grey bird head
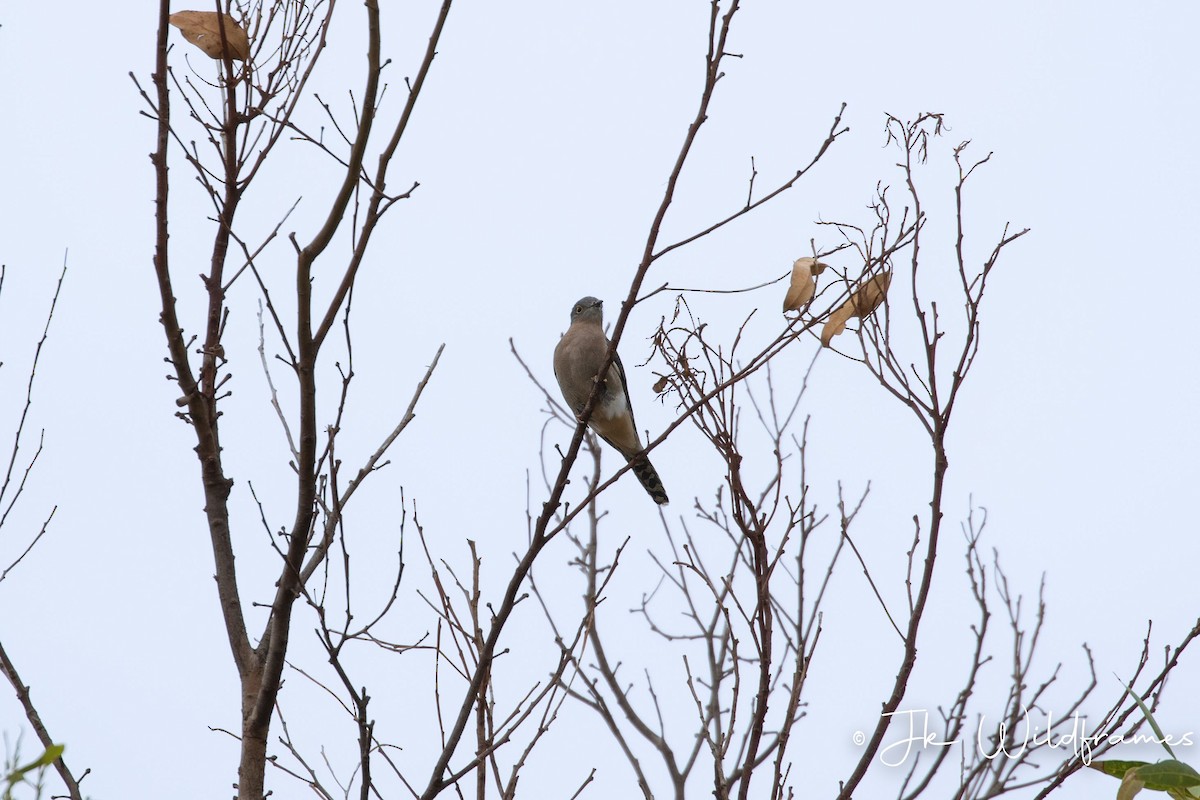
[(588, 309)]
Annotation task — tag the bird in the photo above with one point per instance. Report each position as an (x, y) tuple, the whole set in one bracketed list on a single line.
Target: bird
[(577, 360)]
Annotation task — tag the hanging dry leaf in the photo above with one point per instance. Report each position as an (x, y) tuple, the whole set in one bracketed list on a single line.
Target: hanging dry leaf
[(869, 297), (661, 384), (202, 29), (803, 284), (836, 323), (860, 304)]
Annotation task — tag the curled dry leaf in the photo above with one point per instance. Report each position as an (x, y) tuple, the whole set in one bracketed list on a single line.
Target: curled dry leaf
[(803, 284), (1131, 784), (682, 370), (202, 29), (860, 304)]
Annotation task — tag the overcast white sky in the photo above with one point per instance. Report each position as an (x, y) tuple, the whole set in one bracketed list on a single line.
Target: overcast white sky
[(541, 145)]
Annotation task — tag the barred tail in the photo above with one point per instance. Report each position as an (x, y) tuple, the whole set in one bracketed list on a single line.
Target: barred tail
[(648, 476)]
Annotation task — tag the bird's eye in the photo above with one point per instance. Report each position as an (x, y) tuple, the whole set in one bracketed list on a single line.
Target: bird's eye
[(578, 309)]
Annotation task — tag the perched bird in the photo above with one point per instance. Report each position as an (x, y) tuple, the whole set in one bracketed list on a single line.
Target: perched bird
[(577, 360)]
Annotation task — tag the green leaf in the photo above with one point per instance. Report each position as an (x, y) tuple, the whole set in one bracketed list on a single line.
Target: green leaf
[(1167, 775), (1117, 769), (52, 754), (47, 758), (1173, 777), (1149, 718)]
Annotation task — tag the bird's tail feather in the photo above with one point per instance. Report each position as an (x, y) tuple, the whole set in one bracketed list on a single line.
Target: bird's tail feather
[(648, 476)]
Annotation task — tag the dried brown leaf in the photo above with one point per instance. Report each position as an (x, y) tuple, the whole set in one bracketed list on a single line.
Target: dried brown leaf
[(869, 297), (202, 29), (1131, 784), (803, 285), (861, 303), (836, 323), (661, 384)]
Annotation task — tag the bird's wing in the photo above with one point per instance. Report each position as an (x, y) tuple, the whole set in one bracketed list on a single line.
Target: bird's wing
[(614, 422), (620, 369)]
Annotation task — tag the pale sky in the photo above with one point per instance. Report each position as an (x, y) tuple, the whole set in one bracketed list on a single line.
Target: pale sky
[(542, 144)]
